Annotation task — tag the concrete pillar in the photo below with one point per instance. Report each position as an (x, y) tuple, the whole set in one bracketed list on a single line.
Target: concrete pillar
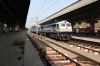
[(92, 26), (9, 28), (13, 29), (72, 25), (2, 26)]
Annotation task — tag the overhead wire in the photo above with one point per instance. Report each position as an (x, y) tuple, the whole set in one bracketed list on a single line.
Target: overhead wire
[(49, 7), (40, 8), (46, 4)]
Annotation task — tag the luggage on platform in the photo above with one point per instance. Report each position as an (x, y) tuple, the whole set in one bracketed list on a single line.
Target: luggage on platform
[(19, 41)]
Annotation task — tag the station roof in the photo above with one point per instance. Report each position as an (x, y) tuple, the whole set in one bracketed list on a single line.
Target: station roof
[(14, 12), (82, 10)]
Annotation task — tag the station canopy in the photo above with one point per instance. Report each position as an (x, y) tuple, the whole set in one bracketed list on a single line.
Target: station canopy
[(82, 10), (14, 12)]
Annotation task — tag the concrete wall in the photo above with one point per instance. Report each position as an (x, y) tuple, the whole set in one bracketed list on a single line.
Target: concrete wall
[(97, 24)]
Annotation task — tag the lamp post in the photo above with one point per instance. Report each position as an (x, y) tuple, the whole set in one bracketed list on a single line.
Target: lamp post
[(36, 24)]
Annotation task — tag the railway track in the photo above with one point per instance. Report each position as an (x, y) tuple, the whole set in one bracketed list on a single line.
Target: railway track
[(60, 56), (90, 47)]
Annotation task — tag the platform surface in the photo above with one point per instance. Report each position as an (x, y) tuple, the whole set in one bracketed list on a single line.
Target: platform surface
[(11, 55), (88, 38)]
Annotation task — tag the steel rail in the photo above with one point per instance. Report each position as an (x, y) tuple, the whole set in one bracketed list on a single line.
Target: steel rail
[(71, 61)]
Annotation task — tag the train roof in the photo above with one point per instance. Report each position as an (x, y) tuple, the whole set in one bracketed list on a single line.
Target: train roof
[(57, 22)]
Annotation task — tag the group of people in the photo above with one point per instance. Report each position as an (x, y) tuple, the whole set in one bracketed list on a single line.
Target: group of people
[(77, 31), (86, 32)]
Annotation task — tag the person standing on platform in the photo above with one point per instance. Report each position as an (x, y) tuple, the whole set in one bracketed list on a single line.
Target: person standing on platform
[(99, 32), (85, 32), (77, 31)]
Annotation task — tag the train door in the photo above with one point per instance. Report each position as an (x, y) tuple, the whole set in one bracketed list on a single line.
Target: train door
[(53, 28), (57, 27)]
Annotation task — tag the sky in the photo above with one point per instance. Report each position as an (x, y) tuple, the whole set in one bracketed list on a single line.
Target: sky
[(41, 9)]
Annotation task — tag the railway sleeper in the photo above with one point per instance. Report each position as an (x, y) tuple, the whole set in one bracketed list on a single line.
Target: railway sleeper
[(48, 49), (68, 64), (61, 61), (51, 52), (86, 47), (89, 49), (56, 58)]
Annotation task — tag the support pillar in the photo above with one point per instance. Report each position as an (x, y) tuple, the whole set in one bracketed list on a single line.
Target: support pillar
[(74, 31), (92, 26), (9, 28), (2, 26)]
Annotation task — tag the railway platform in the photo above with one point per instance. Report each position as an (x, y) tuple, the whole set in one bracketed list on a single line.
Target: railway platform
[(13, 55), (88, 38)]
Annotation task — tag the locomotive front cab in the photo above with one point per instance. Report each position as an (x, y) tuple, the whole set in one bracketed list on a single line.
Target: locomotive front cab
[(65, 27), (65, 30)]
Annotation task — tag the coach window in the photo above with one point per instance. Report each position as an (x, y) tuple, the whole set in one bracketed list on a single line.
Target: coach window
[(62, 24), (68, 25), (54, 25)]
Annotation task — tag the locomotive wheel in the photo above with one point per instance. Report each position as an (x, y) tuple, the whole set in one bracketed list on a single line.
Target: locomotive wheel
[(63, 37), (68, 37), (53, 36), (60, 37), (56, 36), (50, 35)]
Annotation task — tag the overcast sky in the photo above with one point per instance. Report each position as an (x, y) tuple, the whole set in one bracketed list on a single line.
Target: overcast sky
[(44, 8)]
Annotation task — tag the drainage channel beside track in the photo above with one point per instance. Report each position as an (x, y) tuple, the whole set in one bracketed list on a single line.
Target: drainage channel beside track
[(57, 58)]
